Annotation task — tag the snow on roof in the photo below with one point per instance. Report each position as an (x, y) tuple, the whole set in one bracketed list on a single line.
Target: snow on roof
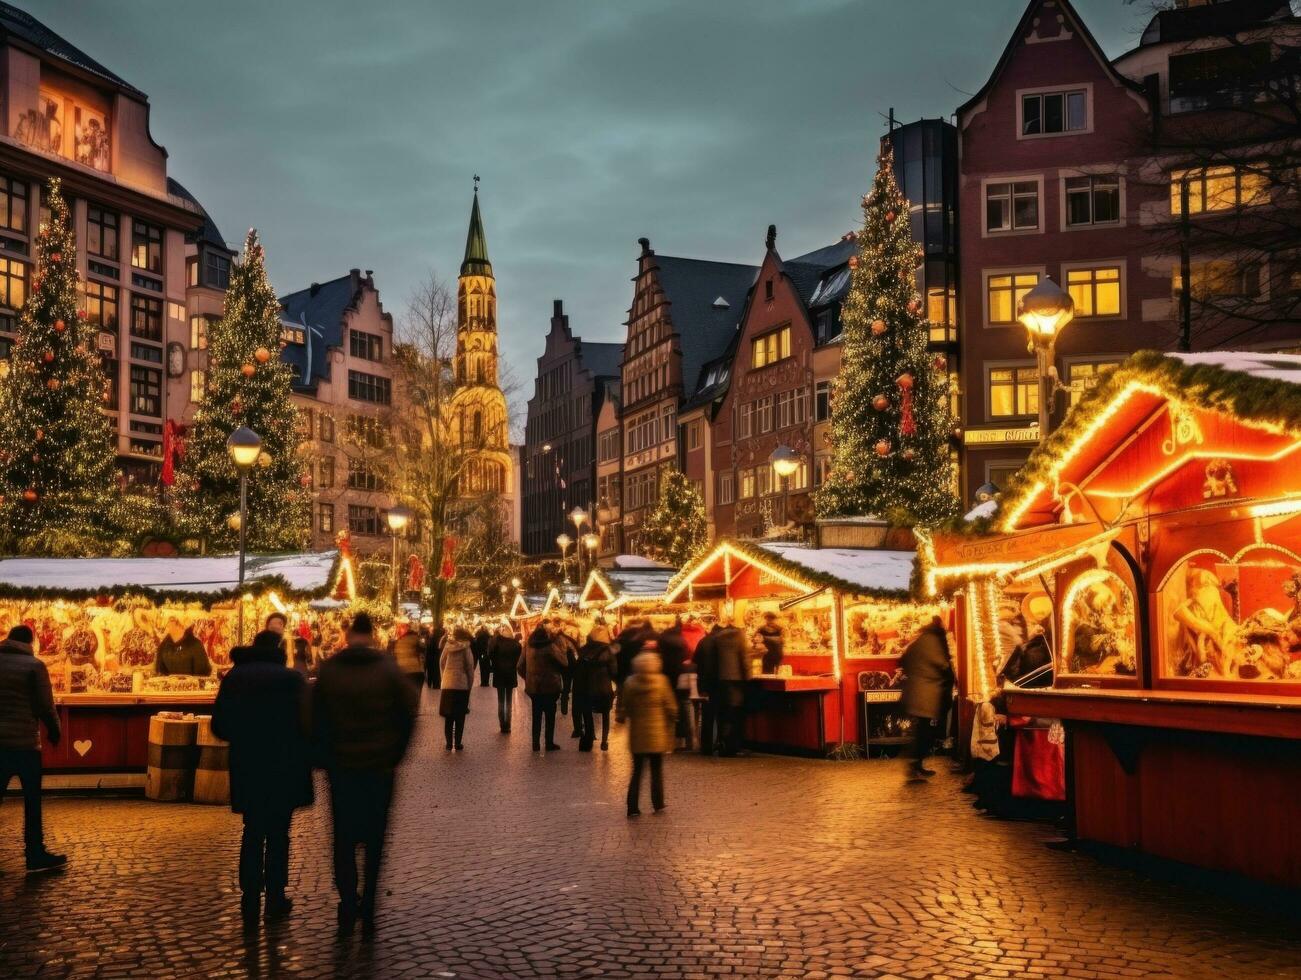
[(638, 582), (1276, 367), (981, 511), (635, 561), (873, 569), (214, 574)]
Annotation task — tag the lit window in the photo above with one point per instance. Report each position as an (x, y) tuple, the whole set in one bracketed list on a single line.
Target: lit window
[(13, 283), (821, 470), (1221, 279), (1083, 376), (1013, 391), (13, 205), (1054, 112), (1004, 291), (146, 247), (101, 305), (942, 312), (146, 394), (726, 489), (101, 232), (770, 348), (1092, 201), (1012, 206), (1096, 292), (146, 317), (326, 518), (747, 484), (198, 384), (1218, 189), (199, 332)]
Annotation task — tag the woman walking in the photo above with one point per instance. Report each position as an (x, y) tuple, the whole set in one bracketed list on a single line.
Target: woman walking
[(650, 707), (594, 688), (456, 668), (542, 665), (504, 651)]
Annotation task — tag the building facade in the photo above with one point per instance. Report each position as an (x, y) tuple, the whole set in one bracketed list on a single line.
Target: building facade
[(609, 474), (560, 433)]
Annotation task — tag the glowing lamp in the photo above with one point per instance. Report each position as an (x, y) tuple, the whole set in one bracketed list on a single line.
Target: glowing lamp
[(398, 518), (1044, 311), (591, 541), (578, 516), (564, 541), (244, 446), (785, 461)]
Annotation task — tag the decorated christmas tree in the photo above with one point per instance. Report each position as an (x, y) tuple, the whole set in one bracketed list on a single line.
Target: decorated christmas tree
[(675, 531), (56, 444), (890, 422), (247, 385)]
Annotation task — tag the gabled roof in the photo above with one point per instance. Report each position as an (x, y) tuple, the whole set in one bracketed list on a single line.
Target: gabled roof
[(209, 234), (692, 286), (1224, 19), (476, 261), (1014, 41), (23, 26), (318, 310), (821, 276), (601, 359)]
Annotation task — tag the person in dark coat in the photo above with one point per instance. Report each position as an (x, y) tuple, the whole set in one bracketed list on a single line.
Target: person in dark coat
[(434, 647), (631, 640), (363, 712), (26, 703), (674, 654), (773, 638), (181, 652), (928, 686), (542, 665), (260, 711), (594, 688), (566, 645), (729, 689), (302, 656), (706, 659), (504, 652), (479, 647)]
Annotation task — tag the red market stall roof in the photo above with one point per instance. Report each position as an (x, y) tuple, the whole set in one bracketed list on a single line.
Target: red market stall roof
[(207, 579), (748, 568), (1153, 427)]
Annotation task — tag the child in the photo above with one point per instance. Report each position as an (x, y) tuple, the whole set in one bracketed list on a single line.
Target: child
[(650, 707)]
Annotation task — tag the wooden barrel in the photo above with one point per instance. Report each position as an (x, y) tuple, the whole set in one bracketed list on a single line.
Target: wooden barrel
[(212, 775), (169, 774)]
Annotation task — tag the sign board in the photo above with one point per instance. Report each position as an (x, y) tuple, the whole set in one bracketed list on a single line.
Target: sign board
[(106, 343), (1022, 546), (1000, 437)]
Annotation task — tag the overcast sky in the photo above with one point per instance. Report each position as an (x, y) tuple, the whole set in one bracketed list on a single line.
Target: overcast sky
[(348, 133)]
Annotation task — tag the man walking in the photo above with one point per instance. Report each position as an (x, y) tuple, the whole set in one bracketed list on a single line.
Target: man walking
[(733, 672), (26, 702), (707, 684), (259, 711), (928, 685), (362, 715), (542, 665)]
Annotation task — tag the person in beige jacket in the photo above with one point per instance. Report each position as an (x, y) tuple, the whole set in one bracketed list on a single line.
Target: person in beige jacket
[(650, 708)]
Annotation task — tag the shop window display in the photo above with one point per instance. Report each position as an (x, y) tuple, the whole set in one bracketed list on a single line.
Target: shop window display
[(881, 631), (1100, 628)]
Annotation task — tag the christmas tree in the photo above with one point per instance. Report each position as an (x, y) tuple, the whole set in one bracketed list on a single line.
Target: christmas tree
[(675, 531), (247, 385), (57, 447), (890, 422)]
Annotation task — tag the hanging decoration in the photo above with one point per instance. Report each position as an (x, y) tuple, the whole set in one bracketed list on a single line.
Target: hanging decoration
[(907, 423), (173, 450), (415, 573)]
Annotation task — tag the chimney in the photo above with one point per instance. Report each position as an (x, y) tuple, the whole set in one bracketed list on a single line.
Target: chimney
[(645, 246), (313, 289), (356, 279), (772, 237), (557, 308), (370, 278)]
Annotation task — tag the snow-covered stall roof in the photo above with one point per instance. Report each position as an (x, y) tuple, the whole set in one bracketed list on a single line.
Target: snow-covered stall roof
[(622, 585), (638, 562), (1274, 367), (306, 575), (870, 570)]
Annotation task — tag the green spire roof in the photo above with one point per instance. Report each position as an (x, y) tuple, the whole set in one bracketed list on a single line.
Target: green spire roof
[(476, 261)]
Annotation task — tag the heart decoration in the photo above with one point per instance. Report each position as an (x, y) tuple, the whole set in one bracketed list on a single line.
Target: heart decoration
[(83, 746)]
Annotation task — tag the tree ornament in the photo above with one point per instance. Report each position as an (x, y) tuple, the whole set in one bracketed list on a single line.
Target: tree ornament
[(890, 216), (305, 480), (248, 370), (878, 327), (909, 454), (60, 326), (236, 407), (262, 355), (853, 261), (914, 306), (880, 403), (81, 315), (56, 256), (882, 447), (940, 363), (30, 495), (52, 384), (48, 357), (907, 422), (956, 432), (40, 435)]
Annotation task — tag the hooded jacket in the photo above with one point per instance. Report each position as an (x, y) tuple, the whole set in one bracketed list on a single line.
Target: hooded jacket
[(456, 664), (504, 652), (363, 710), (594, 673), (26, 700), (542, 665), (650, 707)]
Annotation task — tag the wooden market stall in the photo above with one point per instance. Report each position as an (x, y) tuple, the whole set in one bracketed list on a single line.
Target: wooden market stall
[(846, 614), (1156, 539), (100, 624), (621, 593)]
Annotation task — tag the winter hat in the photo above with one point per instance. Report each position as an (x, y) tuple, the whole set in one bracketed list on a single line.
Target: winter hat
[(599, 634), (647, 663), (21, 634)]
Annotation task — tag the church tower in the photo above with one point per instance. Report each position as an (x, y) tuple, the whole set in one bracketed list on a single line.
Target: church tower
[(478, 406)]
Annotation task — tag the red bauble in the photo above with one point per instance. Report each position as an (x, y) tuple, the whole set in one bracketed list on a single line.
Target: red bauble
[(853, 261), (236, 406), (882, 447), (248, 370), (890, 216), (52, 384), (48, 357), (913, 307), (30, 495), (940, 364), (56, 256), (909, 455), (60, 326), (262, 354), (305, 480), (878, 327), (904, 381), (81, 315), (956, 432), (40, 435), (880, 403)]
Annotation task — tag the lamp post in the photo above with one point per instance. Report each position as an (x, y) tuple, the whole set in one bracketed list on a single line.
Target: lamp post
[(564, 541), (785, 461), (1044, 311), (579, 517), (244, 446), (591, 541), (398, 518)]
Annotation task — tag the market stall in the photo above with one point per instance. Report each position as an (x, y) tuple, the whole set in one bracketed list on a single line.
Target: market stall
[(1157, 537), (845, 616), (620, 594), (124, 638)]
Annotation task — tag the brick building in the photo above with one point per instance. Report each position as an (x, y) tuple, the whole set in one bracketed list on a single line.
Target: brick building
[(575, 381)]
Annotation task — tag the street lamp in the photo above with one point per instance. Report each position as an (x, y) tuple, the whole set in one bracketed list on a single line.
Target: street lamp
[(564, 541), (244, 446), (398, 518), (591, 541), (579, 517), (785, 461), (1044, 311)]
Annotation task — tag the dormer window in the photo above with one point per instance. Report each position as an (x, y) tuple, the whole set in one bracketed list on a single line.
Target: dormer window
[(1054, 113)]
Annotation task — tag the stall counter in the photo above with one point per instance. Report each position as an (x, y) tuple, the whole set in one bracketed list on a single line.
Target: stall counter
[(109, 733), (796, 715)]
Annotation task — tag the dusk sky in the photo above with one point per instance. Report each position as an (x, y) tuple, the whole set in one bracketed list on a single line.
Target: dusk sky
[(348, 132)]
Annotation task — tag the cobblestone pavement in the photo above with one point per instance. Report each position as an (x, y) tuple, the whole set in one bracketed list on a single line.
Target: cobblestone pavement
[(507, 864)]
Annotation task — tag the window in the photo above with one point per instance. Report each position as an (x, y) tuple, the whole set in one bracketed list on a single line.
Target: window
[(146, 247), (790, 409), (693, 436), (191, 272), (799, 480), (101, 232), (363, 520), (763, 480), (216, 270), (101, 306), (1046, 113), (1083, 376), (942, 312), (13, 283), (305, 427), (821, 470), (745, 423), (1221, 279), (822, 401), (726, 487), (1000, 471), (608, 445), (199, 332), (325, 518), (1012, 206), (369, 431), (367, 346), (146, 391), (770, 348), (767, 289), (146, 317), (1215, 77), (1218, 189), (1013, 391), (763, 415), (326, 428), (1092, 201), (13, 205), (325, 476), (198, 384), (147, 352), (362, 477), (747, 484), (369, 388), (1003, 291), (1096, 291)]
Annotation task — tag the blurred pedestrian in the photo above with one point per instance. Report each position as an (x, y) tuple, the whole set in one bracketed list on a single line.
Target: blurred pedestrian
[(409, 654), (542, 665), (706, 660), (504, 651), (260, 710), (648, 705), (692, 633), (479, 646), (362, 715), (730, 688), (26, 703), (457, 665), (773, 638), (630, 644), (568, 646), (433, 647), (928, 685), (594, 688)]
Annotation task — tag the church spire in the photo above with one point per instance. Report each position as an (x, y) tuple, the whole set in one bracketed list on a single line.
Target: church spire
[(476, 242)]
